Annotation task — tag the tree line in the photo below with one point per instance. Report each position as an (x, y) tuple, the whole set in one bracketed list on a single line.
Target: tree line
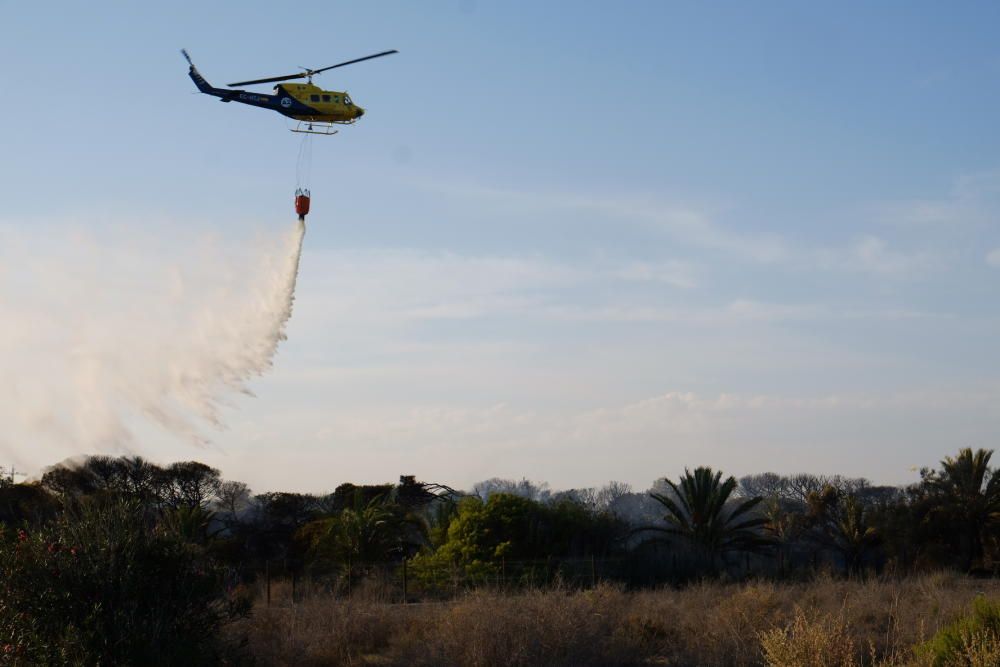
[(118, 560), (950, 518)]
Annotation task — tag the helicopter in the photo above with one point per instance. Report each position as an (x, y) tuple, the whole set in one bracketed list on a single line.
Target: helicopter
[(315, 109)]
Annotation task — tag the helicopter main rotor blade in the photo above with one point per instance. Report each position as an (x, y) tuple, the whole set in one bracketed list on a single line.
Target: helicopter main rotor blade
[(356, 60), (308, 73), (273, 78)]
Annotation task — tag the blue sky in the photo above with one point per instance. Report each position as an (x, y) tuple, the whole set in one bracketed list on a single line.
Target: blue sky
[(572, 242)]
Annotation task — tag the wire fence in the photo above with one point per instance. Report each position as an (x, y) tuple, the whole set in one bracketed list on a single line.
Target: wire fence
[(422, 579)]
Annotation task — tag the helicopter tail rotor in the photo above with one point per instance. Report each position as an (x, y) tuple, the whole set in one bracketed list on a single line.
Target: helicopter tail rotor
[(202, 84)]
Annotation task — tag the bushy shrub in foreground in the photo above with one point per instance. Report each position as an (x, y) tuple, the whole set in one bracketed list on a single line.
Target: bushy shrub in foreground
[(972, 640), (819, 642), (105, 585)]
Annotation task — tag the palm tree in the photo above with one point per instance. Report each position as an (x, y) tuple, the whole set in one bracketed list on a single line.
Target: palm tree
[(373, 533), (784, 526), (968, 493), (843, 524), (700, 512), (854, 532), (191, 523)]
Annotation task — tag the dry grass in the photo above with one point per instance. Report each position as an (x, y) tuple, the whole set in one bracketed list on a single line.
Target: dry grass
[(822, 623), (821, 642), (980, 651)]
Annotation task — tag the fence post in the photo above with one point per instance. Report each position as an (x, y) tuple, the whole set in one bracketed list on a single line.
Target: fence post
[(404, 579), (267, 576)]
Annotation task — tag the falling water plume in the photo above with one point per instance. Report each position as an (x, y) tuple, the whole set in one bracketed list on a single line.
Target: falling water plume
[(99, 337)]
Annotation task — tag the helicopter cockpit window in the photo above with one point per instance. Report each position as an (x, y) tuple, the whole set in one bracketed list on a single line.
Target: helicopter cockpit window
[(326, 98), (314, 98), (347, 100)]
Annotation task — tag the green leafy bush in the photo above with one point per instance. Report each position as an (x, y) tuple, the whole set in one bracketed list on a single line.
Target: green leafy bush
[(105, 585), (964, 641)]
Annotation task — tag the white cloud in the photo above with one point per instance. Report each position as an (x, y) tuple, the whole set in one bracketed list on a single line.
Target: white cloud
[(973, 199), (696, 226), (692, 225), (872, 254), (671, 272), (733, 313), (993, 258), (405, 284)]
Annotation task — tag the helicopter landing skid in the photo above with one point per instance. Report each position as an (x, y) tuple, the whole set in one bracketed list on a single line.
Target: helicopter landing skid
[(306, 127)]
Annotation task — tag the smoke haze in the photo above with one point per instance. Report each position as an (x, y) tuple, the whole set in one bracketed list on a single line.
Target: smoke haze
[(101, 333)]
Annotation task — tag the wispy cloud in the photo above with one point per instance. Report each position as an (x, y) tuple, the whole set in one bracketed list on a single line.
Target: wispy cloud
[(394, 286), (697, 226), (384, 284), (973, 199), (873, 255), (993, 258), (690, 224), (733, 313), (671, 272)]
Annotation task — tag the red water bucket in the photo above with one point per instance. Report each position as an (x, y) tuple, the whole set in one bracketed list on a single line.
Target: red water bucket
[(302, 203)]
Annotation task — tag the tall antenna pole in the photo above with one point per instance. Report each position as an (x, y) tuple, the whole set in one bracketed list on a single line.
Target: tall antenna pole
[(9, 474)]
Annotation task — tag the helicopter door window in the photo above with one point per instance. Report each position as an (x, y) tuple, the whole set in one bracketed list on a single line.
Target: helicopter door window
[(314, 98), (326, 98)]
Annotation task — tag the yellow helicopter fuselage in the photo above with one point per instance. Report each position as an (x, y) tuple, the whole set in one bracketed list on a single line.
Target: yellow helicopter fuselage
[(312, 103)]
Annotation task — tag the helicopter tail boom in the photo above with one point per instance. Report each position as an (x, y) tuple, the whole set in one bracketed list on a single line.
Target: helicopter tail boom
[(203, 84)]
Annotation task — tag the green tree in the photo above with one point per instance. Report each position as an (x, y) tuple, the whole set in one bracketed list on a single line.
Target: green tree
[(514, 527), (484, 535), (700, 512), (967, 492), (103, 585)]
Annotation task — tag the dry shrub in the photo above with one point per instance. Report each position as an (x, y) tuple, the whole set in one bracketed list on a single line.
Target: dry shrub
[(980, 650), (820, 642), (544, 629), (706, 624), (873, 622), (320, 631)]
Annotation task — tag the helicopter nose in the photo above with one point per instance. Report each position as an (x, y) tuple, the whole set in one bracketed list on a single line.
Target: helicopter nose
[(360, 112)]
